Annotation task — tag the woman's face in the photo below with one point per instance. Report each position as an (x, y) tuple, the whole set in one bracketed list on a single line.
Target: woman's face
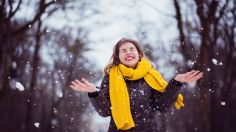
[(128, 55)]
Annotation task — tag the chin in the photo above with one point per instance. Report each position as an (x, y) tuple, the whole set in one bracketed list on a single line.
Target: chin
[(131, 65)]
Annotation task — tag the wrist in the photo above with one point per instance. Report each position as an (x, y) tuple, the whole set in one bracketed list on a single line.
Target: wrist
[(177, 79), (176, 82), (95, 89)]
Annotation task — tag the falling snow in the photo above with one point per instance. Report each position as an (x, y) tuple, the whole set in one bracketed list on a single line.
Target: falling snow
[(142, 92), (223, 103), (214, 61), (19, 86), (36, 124), (47, 30), (54, 122)]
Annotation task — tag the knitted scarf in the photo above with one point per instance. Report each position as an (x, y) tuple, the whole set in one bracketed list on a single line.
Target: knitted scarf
[(119, 97)]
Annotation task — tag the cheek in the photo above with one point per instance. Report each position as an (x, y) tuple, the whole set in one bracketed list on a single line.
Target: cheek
[(121, 56), (137, 59), (137, 55)]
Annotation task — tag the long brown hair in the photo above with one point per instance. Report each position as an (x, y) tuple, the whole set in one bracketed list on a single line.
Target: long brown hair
[(115, 55)]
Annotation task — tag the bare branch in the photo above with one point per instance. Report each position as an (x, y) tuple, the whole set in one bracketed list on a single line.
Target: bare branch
[(183, 46), (41, 10), (10, 4), (12, 13), (2, 10), (221, 12), (212, 11)]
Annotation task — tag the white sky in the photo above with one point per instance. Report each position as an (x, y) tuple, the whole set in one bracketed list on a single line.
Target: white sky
[(116, 19), (103, 38)]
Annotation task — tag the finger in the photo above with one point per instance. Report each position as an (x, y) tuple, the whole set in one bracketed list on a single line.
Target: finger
[(200, 75), (72, 82), (193, 72), (196, 73), (72, 86), (192, 75), (80, 83), (86, 86), (79, 86), (194, 78), (90, 86), (189, 73), (85, 81), (189, 77), (75, 83)]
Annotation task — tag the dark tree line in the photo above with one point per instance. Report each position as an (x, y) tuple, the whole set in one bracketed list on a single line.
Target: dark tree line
[(46, 102), (207, 31), (207, 39)]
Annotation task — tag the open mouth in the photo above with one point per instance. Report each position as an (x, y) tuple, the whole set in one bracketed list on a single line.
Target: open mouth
[(129, 58)]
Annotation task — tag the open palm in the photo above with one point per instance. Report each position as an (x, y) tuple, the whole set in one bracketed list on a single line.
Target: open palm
[(189, 76), (83, 86)]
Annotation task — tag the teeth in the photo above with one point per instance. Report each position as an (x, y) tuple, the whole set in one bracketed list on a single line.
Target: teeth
[(129, 58)]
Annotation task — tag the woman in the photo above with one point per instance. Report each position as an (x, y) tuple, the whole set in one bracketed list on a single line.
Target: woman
[(132, 90)]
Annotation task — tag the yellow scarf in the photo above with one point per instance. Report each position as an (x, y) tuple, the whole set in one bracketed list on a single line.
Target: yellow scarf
[(119, 96)]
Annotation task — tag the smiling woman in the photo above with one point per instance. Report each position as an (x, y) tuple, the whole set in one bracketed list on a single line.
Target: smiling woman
[(127, 52), (132, 90), (129, 55)]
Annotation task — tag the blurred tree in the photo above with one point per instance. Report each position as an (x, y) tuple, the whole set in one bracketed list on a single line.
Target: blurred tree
[(7, 22), (206, 40), (46, 103)]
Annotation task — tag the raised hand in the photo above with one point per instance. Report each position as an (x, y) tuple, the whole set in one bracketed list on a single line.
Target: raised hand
[(189, 76), (83, 86)]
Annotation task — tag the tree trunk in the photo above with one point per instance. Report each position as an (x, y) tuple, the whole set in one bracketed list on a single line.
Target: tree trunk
[(30, 108)]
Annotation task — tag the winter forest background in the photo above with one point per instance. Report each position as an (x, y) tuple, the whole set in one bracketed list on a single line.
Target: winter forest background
[(45, 44)]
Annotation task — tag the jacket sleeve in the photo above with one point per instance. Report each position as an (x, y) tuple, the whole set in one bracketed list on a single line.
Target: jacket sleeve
[(163, 101), (101, 99)]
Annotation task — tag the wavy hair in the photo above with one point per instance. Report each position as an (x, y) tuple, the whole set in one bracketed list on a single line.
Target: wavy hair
[(115, 55)]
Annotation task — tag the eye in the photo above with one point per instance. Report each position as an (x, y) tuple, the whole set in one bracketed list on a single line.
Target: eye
[(132, 49), (123, 51)]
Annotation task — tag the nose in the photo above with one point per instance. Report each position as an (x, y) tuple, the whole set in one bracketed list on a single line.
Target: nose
[(128, 52)]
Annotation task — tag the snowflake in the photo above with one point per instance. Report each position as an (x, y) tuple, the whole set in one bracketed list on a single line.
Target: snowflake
[(223, 103), (36, 124), (214, 61), (19, 86)]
